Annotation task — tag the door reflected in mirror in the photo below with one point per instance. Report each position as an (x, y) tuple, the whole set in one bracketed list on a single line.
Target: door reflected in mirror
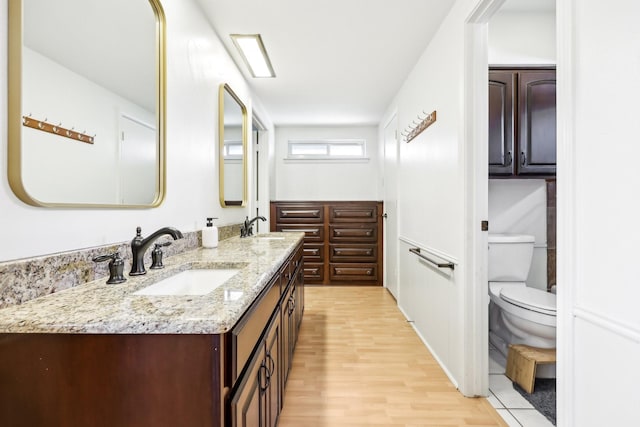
[(232, 148), (86, 102)]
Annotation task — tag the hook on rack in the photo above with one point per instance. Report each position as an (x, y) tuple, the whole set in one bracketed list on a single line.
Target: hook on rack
[(414, 128), (44, 126)]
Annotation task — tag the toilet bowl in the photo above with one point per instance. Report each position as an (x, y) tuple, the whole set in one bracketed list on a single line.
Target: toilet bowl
[(518, 314)]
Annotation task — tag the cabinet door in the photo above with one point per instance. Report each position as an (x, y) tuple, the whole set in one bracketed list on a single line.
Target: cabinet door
[(248, 406), (537, 122), (299, 307), (285, 314), (501, 122), (272, 359)]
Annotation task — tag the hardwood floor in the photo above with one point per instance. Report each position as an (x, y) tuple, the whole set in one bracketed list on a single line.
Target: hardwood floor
[(359, 363)]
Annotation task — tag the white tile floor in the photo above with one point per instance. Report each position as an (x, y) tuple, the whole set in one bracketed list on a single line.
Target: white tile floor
[(513, 408)]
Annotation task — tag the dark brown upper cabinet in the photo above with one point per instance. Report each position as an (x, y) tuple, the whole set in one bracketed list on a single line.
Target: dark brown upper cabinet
[(522, 122)]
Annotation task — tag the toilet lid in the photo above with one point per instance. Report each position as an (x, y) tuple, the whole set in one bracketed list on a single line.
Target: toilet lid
[(530, 298)]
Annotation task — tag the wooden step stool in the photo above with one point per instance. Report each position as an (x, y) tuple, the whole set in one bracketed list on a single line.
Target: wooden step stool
[(522, 362)]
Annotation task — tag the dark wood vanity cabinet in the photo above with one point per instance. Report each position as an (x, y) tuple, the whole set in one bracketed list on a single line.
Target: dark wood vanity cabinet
[(343, 240), (522, 122), (256, 402), (231, 379), (257, 392)]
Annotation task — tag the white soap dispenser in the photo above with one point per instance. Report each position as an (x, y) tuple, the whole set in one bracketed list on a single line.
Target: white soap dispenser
[(210, 235)]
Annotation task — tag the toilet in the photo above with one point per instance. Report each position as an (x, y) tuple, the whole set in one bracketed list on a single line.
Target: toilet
[(518, 314)]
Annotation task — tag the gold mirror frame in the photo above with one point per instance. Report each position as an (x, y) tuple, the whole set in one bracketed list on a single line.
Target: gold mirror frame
[(224, 88), (15, 113)]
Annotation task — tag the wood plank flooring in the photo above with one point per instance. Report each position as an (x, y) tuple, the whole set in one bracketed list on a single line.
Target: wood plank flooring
[(359, 363)]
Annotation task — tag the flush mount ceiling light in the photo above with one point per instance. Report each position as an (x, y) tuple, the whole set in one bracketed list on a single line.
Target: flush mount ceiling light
[(254, 54)]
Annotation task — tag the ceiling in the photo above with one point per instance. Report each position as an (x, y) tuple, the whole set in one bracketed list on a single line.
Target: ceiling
[(336, 61)]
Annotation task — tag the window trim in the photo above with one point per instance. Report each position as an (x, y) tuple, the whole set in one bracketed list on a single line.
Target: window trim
[(328, 143)]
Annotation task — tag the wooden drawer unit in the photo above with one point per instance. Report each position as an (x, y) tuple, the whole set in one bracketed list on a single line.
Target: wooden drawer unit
[(299, 214), (313, 273), (313, 252), (246, 333), (358, 233), (343, 239), (312, 232), (343, 252), (354, 272), (353, 213)]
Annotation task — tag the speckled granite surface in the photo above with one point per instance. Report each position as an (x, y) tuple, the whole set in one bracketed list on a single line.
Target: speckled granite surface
[(100, 308), (26, 279)]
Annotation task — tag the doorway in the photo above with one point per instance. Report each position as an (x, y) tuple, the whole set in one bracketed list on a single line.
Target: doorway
[(259, 205), (477, 58)]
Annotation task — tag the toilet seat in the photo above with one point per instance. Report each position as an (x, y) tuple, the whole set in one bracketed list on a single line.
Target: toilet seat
[(530, 298)]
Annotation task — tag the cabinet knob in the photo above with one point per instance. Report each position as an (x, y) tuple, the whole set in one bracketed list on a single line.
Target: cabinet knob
[(509, 159), (523, 159)]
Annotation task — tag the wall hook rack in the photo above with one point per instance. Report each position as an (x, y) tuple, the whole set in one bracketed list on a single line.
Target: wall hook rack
[(416, 128), (45, 126)]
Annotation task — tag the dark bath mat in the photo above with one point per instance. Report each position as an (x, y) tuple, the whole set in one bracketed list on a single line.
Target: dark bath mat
[(543, 397)]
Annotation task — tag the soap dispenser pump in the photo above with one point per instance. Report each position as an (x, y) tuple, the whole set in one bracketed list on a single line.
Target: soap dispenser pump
[(210, 234)]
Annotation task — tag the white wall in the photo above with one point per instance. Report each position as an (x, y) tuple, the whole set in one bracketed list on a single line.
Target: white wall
[(322, 180), (519, 206), (80, 171), (598, 233), (196, 64), (431, 203), (522, 38)]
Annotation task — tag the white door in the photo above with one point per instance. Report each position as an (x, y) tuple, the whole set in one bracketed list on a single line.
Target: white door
[(138, 162), (391, 206)]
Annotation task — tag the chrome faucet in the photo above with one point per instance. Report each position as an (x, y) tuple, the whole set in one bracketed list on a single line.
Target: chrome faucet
[(139, 246), (247, 228)]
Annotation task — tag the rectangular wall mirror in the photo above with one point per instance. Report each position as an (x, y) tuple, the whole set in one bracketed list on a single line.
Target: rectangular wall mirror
[(232, 143), (87, 103)]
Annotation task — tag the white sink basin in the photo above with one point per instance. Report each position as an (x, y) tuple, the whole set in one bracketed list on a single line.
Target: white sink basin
[(190, 282)]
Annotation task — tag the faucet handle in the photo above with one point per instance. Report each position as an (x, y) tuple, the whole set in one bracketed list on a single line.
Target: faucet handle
[(116, 267), (156, 255)]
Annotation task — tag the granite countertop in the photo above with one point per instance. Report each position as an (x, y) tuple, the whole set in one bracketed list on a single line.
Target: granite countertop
[(98, 308)]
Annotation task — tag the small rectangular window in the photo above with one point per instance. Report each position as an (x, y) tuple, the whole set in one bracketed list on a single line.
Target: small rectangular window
[(327, 149), (233, 150)]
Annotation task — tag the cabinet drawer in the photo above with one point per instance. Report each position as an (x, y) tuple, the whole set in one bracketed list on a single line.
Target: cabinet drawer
[(354, 272), (245, 335), (342, 252), (300, 214), (359, 233), (313, 273), (312, 232), (360, 213), (313, 252)]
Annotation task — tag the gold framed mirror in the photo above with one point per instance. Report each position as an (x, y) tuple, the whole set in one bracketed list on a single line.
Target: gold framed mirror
[(87, 103), (232, 148)]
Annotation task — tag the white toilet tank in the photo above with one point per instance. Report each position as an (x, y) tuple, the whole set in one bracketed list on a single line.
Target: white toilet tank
[(510, 257)]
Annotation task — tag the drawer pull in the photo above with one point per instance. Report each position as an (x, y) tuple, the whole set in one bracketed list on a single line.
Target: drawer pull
[(305, 213), (312, 231)]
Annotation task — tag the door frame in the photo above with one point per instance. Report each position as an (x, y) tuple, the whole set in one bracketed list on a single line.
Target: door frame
[(393, 116), (475, 377), (476, 182)]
